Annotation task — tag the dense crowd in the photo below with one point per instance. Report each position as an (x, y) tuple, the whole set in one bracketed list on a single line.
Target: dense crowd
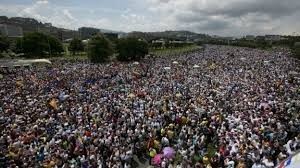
[(224, 107)]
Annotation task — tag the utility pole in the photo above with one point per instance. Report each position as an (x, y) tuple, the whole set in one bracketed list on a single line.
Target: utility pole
[(49, 47), (203, 50), (6, 31)]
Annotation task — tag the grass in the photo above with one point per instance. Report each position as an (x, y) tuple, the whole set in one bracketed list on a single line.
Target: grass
[(173, 51), (67, 55), (79, 56)]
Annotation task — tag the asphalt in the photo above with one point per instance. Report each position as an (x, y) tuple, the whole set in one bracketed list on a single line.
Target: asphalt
[(141, 162)]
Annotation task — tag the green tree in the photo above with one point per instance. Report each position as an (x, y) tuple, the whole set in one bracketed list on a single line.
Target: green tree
[(76, 45), (39, 45), (296, 49), (4, 43), (131, 49), (99, 49)]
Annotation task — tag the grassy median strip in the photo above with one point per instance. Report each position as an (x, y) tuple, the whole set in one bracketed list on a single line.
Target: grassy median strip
[(173, 51)]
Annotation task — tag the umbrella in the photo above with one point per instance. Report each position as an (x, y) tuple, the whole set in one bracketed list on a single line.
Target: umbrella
[(178, 95), (167, 68), (136, 73), (157, 159), (169, 152), (205, 160), (136, 63), (131, 95), (62, 96), (152, 153), (183, 120), (264, 105), (53, 104), (196, 66), (156, 144), (175, 62), (293, 73), (170, 134)]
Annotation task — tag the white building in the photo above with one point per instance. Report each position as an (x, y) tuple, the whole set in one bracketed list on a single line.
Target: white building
[(11, 30)]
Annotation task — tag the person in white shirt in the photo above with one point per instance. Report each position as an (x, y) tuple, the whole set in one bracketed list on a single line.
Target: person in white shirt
[(258, 165), (290, 147), (268, 163), (229, 163)]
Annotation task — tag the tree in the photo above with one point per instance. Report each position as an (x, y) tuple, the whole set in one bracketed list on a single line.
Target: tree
[(296, 49), (4, 43), (76, 45), (131, 49), (99, 49), (39, 45), (156, 45)]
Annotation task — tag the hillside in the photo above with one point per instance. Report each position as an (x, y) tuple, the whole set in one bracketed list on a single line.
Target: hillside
[(172, 35), (33, 25)]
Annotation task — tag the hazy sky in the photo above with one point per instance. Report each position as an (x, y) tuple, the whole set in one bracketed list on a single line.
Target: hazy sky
[(220, 17)]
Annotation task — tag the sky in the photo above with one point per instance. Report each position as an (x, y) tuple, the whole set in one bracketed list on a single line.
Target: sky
[(214, 17)]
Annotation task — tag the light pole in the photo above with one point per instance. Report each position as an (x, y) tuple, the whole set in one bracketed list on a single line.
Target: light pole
[(49, 46)]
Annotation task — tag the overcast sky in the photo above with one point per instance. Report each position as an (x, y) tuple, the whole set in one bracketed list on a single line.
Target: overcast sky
[(218, 17)]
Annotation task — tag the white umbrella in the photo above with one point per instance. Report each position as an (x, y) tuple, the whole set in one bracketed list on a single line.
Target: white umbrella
[(131, 95), (178, 95), (175, 62), (136, 63), (196, 66), (293, 73), (167, 68)]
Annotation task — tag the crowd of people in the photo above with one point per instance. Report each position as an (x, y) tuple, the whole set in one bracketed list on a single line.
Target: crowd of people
[(222, 107)]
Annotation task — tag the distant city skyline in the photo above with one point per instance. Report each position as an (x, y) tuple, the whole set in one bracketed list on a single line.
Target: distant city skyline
[(224, 18)]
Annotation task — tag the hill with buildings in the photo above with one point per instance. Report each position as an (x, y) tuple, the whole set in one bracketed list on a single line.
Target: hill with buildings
[(17, 26), (171, 35)]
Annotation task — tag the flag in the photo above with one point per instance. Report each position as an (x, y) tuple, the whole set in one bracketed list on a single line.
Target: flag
[(33, 79), (19, 83), (290, 162), (212, 66), (53, 104)]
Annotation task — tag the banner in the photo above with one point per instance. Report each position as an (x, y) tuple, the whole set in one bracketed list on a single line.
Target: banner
[(291, 162)]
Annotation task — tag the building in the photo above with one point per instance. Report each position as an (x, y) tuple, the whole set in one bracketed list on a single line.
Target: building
[(87, 32), (250, 37), (111, 36), (273, 37), (122, 35), (162, 41), (260, 37), (11, 30), (48, 25)]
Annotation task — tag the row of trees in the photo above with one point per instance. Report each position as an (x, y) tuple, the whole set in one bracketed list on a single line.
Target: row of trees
[(99, 48), (4, 44), (296, 49), (39, 44), (291, 42), (169, 44), (262, 44), (131, 49)]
